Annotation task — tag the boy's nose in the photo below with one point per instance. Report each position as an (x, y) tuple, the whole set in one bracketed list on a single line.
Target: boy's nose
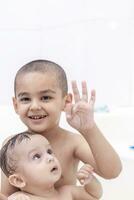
[(35, 105)]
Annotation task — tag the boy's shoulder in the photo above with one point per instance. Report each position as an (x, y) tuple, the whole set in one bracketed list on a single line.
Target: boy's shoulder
[(75, 139), (69, 135)]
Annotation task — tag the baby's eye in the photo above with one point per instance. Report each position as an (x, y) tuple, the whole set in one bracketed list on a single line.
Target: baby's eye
[(36, 156), (50, 151), (46, 98)]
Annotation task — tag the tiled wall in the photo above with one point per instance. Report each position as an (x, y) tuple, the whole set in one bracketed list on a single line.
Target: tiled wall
[(92, 40)]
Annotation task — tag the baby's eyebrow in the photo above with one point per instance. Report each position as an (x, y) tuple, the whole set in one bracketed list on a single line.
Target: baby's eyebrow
[(32, 152)]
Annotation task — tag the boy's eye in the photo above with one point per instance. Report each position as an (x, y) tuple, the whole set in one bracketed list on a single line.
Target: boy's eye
[(46, 98), (49, 151), (24, 99), (36, 156)]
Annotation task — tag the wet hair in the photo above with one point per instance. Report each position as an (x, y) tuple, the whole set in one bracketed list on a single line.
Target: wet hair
[(44, 66), (8, 162)]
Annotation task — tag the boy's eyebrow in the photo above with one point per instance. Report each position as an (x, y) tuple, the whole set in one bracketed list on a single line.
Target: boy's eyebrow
[(47, 91), (22, 94), (41, 92)]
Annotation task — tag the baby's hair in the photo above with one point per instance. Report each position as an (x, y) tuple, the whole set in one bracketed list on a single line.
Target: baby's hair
[(8, 163), (44, 66)]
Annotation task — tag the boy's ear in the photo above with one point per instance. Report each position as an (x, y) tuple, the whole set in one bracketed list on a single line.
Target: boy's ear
[(17, 180), (15, 104), (68, 99)]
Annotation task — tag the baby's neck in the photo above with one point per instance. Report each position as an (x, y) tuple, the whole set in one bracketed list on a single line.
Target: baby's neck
[(47, 194)]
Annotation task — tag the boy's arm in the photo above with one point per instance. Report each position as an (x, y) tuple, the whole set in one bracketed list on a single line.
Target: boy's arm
[(91, 188), (3, 197), (6, 188), (80, 116), (19, 196)]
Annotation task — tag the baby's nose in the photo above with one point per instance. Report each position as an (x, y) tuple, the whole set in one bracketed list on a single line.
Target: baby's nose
[(50, 158)]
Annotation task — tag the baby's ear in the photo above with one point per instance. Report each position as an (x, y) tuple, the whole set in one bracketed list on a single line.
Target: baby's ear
[(17, 180)]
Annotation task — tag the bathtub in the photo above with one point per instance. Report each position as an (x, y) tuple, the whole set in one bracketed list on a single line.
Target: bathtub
[(117, 126)]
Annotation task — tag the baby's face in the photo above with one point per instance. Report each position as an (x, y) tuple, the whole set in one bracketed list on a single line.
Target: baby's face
[(39, 101), (37, 162)]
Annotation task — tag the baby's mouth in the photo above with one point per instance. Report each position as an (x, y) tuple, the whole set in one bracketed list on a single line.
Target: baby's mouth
[(54, 169), (36, 117)]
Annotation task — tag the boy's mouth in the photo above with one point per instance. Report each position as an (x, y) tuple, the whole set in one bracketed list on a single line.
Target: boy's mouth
[(36, 117)]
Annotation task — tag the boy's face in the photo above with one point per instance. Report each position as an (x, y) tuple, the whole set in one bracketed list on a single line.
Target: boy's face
[(39, 101), (37, 163)]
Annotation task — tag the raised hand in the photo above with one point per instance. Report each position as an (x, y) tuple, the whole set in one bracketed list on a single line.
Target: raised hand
[(84, 175), (80, 115)]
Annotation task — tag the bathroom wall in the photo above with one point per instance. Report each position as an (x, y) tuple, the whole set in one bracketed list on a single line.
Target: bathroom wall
[(92, 40)]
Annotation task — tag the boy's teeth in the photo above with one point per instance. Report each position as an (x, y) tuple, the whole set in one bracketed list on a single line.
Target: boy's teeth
[(38, 117)]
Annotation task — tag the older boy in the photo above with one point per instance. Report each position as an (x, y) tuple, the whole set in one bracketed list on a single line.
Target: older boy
[(41, 94), (30, 165)]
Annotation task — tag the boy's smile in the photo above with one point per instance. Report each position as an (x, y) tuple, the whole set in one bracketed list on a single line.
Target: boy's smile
[(39, 101)]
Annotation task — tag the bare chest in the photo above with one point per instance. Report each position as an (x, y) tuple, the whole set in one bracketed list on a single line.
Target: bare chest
[(68, 164)]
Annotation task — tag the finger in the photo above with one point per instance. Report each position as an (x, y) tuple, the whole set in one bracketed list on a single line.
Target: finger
[(86, 172), (84, 91), (92, 98), (87, 180), (87, 167), (75, 91), (82, 181), (82, 175)]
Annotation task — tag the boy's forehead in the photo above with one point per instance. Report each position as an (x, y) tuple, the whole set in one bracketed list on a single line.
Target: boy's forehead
[(37, 75), (46, 80)]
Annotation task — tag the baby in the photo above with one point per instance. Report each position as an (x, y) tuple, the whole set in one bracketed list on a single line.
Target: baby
[(30, 165)]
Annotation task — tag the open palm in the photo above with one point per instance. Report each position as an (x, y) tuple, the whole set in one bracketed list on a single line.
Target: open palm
[(80, 115)]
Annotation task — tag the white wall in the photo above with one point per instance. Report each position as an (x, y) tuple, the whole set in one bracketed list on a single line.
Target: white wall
[(92, 40)]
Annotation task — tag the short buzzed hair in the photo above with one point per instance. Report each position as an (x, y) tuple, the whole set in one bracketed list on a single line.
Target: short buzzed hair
[(8, 161), (44, 66)]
